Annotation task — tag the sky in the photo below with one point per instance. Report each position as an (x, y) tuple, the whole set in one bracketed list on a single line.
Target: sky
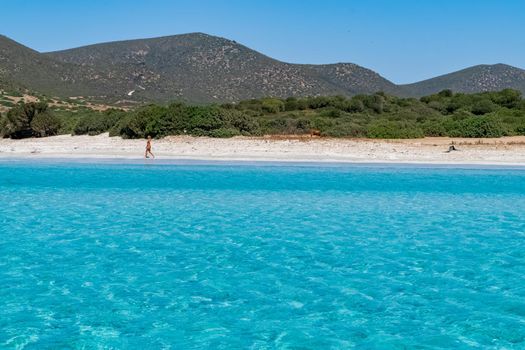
[(403, 40)]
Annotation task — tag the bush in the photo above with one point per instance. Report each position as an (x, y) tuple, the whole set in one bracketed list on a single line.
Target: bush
[(7, 103), (322, 124), (291, 104), (15, 93), (317, 102), (3, 126), (68, 122), (483, 107), (489, 114), (507, 98), (95, 123), (519, 128), (486, 126), (331, 112), (17, 123), (355, 106), (272, 105), (346, 129), (375, 102), (387, 129), (45, 124), (438, 106), (224, 132), (446, 93), (242, 123), (284, 126), (141, 123), (178, 119), (433, 128)]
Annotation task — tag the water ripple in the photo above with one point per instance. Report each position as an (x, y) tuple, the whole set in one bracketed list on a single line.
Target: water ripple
[(107, 256)]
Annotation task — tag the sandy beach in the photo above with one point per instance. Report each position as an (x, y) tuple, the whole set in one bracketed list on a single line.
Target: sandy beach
[(503, 151)]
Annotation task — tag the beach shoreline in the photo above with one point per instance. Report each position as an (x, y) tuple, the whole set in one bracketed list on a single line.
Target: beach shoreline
[(506, 151)]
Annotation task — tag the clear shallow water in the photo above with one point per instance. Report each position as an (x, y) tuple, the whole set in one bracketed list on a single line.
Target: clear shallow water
[(226, 257)]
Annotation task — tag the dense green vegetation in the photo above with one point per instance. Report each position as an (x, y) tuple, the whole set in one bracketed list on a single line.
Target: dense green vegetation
[(490, 114), (29, 119)]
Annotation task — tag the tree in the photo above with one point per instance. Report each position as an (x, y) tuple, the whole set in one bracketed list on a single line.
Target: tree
[(272, 105), (446, 93), (18, 120), (375, 102), (45, 124), (507, 98), (482, 127), (483, 107), (356, 106)]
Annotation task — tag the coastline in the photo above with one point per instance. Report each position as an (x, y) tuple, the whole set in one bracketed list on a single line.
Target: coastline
[(507, 151)]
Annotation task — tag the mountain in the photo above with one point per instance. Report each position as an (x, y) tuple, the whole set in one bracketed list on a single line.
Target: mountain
[(474, 79), (198, 67), (193, 67), (22, 67)]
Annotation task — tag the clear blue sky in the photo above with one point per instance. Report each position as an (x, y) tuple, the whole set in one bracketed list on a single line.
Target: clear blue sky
[(403, 40)]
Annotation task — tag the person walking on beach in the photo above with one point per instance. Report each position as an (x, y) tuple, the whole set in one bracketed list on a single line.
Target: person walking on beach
[(148, 149)]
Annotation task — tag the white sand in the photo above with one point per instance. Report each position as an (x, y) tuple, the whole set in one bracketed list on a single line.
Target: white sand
[(503, 151)]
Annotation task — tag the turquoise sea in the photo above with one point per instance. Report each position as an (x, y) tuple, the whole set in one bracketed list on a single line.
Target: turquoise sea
[(252, 256)]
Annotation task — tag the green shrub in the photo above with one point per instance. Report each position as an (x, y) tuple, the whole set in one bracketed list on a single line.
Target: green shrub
[(446, 93), (3, 126), (17, 123), (489, 114), (291, 104), (322, 124), (433, 128), (95, 123), (519, 128), (272, 105), (141, 123), (355, 106), (387, 129), (331, 112), (224, 132), (345, 129), (68, 122), (507, 98), (438, 106), (284, 126), (7, 103), (375, 102), (45, 124), (317, 102), (15, 93), (242, 122), (483, 107), (483, 126)]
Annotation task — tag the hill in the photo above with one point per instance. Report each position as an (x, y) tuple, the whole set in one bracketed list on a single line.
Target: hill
[(24, 68), (201, 68), (471, 80), (204, 68)]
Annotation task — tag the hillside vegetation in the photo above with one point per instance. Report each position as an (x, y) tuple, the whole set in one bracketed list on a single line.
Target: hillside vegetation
[(490, 114), (201, 68), (479, 78)]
